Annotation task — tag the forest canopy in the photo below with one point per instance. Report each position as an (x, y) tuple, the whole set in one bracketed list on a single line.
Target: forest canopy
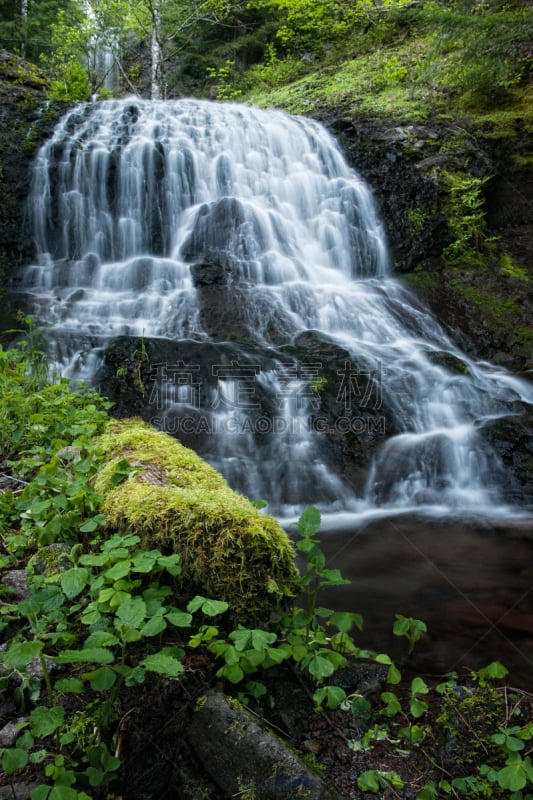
[(224, 49)]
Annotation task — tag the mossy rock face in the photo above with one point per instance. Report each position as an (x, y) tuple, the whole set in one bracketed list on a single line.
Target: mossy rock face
[(175, 501)]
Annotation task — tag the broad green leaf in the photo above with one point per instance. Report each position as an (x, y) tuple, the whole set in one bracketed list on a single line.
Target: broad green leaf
[(392, 704), (170, 564), (333, 695), (118, 570), (401, 626), (333, 577), (163, 665), (73, 581), (38, 506), (368, 781), (25, 741), (213, 607), (419, 686), (91, 616), (232, 672), (261, 639), (13, 759), (204, 634), (276, 654), (100, 639), (93, 523), (101, 679), (252, 658), (132, 612), (418, 708), (512, 777), (309, 521), (154, 626), (119, 543), (209, 607), (320, 667), (44, 721), (179, 618), (95, 655), (394, 675), (242, 638), (144, 561), (493, 671), (73, 685), (135, 677), (345, 620), (62, 792), (40, 793), (19, 654)]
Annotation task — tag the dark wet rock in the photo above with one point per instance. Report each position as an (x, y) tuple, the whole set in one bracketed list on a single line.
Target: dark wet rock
[(512, 439), (20, 790), (448, 361), (207, 274), (404, 183), (26, 120), (16, 581), (218, 231), (10, 732), (349, 395)]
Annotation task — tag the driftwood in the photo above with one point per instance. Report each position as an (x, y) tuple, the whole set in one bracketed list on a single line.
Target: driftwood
[(245, 760)]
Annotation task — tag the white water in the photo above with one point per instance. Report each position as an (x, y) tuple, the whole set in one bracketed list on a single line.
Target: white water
[(128, 194)]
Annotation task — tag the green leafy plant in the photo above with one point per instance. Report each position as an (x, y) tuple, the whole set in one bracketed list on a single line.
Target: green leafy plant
[(122, 598)]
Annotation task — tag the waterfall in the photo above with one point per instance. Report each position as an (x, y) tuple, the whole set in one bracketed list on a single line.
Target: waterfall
[(237, 248)]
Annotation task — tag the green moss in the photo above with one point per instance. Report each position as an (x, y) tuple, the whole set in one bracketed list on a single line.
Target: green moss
[(467, 720), (420, 279), (177, 502), (494, 307), (50, 559), (512, 270), (525, 333)]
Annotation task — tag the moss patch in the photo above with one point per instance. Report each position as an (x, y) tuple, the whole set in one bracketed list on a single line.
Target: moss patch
[(177, 502)]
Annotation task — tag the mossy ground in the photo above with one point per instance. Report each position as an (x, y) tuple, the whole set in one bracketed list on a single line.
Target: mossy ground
[(175, 501)]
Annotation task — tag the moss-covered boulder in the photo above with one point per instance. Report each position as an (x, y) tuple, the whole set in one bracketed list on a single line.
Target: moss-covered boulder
[(175, 501)]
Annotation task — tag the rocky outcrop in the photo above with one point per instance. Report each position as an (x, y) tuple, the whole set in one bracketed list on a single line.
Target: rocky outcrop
[(26, 120), (487, 306)]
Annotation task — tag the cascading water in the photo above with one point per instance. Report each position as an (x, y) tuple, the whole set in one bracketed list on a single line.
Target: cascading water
[(242, 237)]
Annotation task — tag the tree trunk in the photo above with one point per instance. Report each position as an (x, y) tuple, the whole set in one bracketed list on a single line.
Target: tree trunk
[(156, 51), (24, 15)]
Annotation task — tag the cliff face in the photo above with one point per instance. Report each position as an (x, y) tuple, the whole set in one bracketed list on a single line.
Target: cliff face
[(486, 301), (26, 120)]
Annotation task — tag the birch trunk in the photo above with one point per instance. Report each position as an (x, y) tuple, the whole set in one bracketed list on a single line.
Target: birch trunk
[(24, 15), (156, 51)]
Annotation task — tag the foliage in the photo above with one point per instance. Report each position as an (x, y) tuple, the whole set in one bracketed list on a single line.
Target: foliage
[(478, 52), (39, 413), (307, 26), (108, 613), (117, 595), (224, 78), (29, 34), (466, 218)]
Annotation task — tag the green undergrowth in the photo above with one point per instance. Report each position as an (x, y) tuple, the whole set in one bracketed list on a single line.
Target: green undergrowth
[(382, 82), (104, 620)]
